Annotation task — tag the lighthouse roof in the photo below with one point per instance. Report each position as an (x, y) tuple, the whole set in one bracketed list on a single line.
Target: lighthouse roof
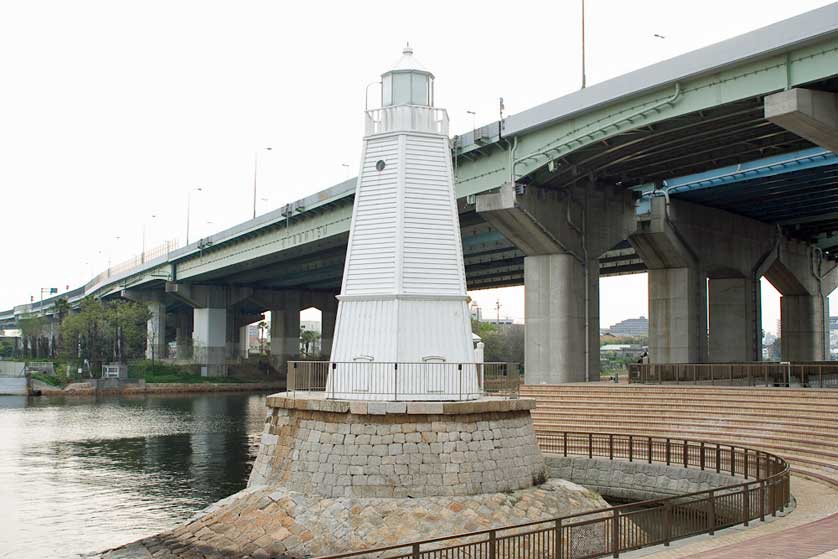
[(408, 63)]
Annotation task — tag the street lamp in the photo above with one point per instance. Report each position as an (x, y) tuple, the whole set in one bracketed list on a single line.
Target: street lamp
[(142, 255), (473, 119), (49, 291), (583, 45), (110, 254), (256, 175), (188, 208)]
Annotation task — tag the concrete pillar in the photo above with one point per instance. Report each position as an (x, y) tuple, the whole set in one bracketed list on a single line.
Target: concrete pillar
[(233, 340), (156, 347), (328, 318), (183, 333), (808, 113), (210, 341), (554, 304), (243, 341), (676, 315), (285, 335), (557, 230), (732, 319), (804, 328)]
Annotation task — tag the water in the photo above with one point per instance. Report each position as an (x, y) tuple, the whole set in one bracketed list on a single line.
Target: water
[(82, 475)]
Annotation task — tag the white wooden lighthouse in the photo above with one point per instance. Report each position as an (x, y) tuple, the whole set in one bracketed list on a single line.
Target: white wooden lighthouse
[(403, 326)]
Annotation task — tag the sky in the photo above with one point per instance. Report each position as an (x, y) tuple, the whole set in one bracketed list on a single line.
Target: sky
[(112, 112)]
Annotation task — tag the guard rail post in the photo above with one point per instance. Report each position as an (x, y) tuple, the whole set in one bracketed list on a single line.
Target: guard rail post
[(615, 533)]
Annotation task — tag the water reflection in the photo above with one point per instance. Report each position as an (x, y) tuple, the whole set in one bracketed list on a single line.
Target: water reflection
[(82, 475)]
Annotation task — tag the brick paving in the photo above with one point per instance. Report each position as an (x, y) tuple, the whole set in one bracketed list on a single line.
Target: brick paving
[(803, 542), (810, 531)]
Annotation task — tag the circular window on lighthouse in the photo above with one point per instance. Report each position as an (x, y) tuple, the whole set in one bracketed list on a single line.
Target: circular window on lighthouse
[(379, 165)]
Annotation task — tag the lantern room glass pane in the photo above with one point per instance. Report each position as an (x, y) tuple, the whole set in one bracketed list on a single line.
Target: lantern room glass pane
[(419, 89), (387, 91), (401, 89)]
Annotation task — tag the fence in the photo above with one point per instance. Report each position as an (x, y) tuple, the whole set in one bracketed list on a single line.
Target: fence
[(407, 117), (397, 381), (614, 530), (818, 375)]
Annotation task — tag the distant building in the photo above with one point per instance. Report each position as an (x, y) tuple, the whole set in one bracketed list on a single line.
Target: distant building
[(833, 322), (631, 327), (311, 325), (622, 350), (477, 314)]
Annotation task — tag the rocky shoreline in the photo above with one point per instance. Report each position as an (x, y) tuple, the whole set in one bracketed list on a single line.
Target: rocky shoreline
[(112, 387)]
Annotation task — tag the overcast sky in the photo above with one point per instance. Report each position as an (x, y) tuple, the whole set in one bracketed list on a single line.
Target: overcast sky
[(111, 111)]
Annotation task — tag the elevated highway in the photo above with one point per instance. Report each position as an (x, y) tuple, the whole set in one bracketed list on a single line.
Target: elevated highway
[(606, 180)]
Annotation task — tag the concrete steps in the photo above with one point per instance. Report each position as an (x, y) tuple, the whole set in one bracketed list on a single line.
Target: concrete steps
[(799, 424)]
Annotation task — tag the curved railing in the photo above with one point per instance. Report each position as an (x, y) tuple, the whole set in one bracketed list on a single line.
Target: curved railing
[(614, 530)]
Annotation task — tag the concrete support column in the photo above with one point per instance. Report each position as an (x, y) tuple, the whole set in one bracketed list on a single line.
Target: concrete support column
[(328, 317), (210, 341), (804, 328), (233, 340), (732, 319), (243, 341), (183, 333), (554, 303), (156, 331), (558, 230), (676, 315), (285, 335)]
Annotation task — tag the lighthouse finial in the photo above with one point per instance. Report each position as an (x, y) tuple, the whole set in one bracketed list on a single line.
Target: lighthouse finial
[(407, 49)]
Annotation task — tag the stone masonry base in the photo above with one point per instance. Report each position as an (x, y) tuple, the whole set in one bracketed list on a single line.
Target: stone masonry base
[(393, 449)]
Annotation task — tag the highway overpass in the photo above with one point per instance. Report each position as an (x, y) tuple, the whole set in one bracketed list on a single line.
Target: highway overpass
[(710, 170)]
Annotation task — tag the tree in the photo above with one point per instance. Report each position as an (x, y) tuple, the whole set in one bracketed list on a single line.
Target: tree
[(7, 348), (62, 309), (32, 331), (503, 343), (113, 330), (263, 331), (308, 339)]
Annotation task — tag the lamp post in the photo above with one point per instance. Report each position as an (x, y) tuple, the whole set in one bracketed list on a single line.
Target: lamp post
[(110, 254), (256, 176), (189, 207), (142, 254), (583, 45)]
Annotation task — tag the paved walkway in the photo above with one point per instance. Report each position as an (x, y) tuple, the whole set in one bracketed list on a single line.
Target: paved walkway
[(816, 539), (809, 532)]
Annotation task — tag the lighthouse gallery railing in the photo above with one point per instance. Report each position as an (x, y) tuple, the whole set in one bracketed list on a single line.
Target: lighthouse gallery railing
[(397, 380)]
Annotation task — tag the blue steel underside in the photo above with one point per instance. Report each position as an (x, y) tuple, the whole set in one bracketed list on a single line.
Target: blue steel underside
[(798, 191)]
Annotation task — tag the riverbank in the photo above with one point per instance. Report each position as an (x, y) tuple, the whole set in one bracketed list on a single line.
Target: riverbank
[(115, 387)]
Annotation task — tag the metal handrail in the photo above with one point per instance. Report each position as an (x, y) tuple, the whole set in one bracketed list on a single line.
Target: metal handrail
[(613, 530), (415, 118), (397, 380), (777, 374)]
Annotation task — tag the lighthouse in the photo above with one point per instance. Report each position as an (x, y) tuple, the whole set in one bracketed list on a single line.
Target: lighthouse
[(403, 327)]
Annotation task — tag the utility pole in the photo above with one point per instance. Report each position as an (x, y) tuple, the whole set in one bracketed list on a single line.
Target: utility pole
[(497, 308), (584, 81)]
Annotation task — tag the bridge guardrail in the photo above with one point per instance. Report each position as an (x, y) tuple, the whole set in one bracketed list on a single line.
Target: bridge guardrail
[(785, 374), (615, 530)]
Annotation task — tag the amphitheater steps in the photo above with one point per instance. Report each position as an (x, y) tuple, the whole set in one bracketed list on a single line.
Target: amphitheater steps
[(798, 424)]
